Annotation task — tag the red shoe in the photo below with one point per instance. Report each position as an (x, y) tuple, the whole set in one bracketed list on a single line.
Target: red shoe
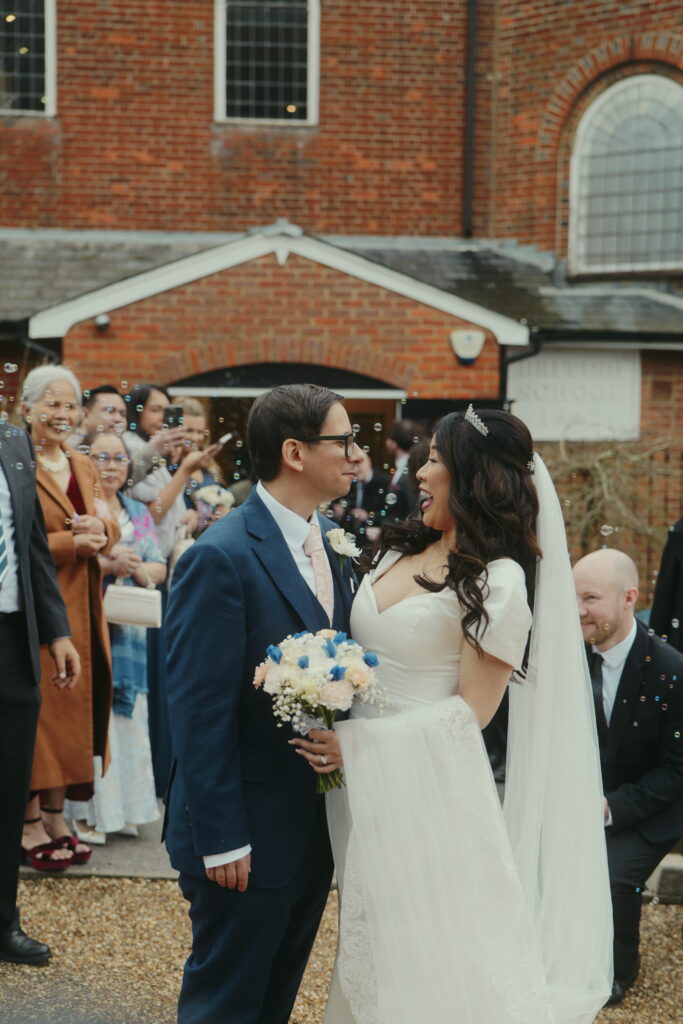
[(69, 842), (40, 856)]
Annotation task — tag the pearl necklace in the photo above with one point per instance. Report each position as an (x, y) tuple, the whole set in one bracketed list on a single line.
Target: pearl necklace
[(53, 465)]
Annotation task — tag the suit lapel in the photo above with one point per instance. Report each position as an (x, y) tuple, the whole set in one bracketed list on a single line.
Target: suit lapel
[(270, 547), (627, 691), (341, 584)]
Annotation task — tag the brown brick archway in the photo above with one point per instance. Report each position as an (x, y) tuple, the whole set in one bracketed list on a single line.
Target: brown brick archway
[(612, 61), (664, 48)]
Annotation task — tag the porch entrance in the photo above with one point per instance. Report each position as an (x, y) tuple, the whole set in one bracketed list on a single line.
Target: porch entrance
[(228, 395)]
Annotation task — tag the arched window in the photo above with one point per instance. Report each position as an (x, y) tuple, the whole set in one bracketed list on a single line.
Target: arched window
[(626, 189)]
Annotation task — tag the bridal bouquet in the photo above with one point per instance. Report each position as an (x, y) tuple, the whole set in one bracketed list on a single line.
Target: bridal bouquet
[(312, 676)]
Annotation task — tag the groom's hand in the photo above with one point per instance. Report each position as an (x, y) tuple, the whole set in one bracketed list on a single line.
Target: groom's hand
[(232, 876)]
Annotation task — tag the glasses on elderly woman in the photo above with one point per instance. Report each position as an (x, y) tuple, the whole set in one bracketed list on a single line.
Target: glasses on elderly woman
[(102, 459)]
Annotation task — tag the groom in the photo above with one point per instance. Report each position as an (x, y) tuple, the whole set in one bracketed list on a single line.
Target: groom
[(245, 826)]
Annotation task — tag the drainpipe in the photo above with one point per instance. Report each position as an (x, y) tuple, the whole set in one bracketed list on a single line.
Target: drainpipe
[(470, 96), (535, 345)]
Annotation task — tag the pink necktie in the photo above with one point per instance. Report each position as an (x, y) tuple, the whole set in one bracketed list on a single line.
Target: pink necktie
[(324, 590)]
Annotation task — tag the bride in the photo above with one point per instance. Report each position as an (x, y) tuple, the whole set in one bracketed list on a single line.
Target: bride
[(453, 910)]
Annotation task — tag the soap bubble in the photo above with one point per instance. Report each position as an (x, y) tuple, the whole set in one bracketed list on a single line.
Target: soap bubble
[(606, 530)]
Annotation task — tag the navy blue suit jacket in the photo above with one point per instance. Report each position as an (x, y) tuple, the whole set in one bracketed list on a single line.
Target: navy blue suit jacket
[(642, 764), (46, 617), (234, 779)]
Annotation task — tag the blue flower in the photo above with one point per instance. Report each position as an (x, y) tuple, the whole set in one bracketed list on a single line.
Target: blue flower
[(340, 638), (274, 653), (329, 648), (303, 661), (297, 636), (337, 672), (371, 659)]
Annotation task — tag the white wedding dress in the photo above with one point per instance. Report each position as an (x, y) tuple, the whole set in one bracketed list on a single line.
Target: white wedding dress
[(434, 922)]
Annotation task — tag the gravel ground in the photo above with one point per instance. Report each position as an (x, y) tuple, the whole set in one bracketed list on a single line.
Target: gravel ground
[(119, 946)]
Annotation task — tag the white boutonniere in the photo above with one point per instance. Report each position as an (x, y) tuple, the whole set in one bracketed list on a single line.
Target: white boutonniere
[(343, 545)]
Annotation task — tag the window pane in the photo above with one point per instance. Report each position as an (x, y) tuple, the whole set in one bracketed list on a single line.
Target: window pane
[(267, 50), (22, 55), (628, 166)]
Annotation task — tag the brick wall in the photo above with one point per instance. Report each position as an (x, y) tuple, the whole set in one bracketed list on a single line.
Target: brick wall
[(134, 144), (300, 313), (551, 60)]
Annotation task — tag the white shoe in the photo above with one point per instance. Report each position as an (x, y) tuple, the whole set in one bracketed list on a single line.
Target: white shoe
[(129, 830), (89, 835)]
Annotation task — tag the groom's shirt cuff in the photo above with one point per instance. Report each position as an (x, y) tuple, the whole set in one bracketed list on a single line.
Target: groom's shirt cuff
[(214, 860)]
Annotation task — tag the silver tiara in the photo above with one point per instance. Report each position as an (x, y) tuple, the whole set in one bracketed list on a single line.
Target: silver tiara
[(475, 420)]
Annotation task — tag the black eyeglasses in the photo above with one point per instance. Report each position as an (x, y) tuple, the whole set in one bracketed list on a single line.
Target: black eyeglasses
[(348, 439)]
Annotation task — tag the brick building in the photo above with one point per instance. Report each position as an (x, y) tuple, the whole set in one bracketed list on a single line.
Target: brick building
[(415, 201)]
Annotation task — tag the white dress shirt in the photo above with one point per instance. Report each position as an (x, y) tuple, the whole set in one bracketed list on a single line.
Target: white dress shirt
[(613, 661), (10, 595), (295, 531), (400, 468)]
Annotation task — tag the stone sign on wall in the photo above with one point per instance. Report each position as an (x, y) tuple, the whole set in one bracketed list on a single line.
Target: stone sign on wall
[(572, 395)]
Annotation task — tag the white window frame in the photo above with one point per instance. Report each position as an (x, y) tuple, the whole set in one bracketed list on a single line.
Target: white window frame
[(50, 109), (313, 72), (577, 261)]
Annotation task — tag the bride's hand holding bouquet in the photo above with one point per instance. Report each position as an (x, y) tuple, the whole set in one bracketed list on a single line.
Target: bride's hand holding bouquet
[(311, 677)]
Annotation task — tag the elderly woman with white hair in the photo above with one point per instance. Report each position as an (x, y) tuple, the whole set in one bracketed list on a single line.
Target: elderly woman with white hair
[(72, 726)]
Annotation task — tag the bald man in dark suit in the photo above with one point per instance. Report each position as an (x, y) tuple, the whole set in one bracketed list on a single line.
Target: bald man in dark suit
[(638, 692)]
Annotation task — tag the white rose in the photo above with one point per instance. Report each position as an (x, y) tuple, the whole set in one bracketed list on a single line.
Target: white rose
[(343, 543)]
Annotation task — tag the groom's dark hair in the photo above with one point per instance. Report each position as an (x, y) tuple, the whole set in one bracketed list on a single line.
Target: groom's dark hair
[(289, 410)]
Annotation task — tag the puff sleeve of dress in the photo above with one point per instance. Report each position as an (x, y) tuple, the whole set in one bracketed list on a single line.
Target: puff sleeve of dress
[(507, 631)]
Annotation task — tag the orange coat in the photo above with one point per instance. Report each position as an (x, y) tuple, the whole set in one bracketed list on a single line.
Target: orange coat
[(73, 723)]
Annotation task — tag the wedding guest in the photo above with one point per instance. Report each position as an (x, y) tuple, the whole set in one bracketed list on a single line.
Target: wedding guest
[(638, 693), (103, 410), (31, 612), (69, 734), (400, 502), (361, 512), (205, 492), (148, 445), (163, 494), (125, 797), (666, 616)]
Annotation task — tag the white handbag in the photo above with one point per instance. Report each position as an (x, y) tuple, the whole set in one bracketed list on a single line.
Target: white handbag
[(133, 606)]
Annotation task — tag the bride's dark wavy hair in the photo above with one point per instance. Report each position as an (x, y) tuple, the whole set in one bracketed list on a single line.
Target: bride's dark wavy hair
[(494, 505)]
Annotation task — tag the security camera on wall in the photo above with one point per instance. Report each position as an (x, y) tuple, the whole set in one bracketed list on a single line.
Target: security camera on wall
[(467, 345)]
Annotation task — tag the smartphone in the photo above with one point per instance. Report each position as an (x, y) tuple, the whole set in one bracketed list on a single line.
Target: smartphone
[(173, 416), (224, 439)]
